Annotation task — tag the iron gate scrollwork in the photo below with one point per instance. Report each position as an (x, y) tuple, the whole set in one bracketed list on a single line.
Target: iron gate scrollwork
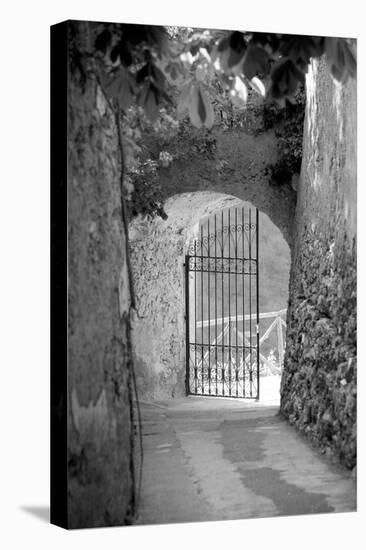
[(222, 307)]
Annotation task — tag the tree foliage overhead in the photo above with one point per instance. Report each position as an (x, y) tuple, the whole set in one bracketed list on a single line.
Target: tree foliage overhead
[(151, 66), (162, 80)]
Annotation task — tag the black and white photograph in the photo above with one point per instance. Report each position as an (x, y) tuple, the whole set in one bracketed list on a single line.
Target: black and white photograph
[(182, 251), (211, 273)]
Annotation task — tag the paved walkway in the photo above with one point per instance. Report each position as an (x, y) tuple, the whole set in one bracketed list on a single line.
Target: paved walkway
[(215, 459)]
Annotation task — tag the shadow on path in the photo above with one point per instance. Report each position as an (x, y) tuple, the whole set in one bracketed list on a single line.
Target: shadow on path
[(209, 459)]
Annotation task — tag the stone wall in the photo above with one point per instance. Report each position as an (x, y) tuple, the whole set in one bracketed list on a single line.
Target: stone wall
[(318, 392), (100, 477)]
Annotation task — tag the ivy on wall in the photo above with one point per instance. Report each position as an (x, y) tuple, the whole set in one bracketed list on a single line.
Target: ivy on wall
[(288, 125)]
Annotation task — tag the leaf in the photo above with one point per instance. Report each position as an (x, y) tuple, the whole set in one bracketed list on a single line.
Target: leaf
[(200, 108), (222, 61), (142, 74), (258, 86), (256, 61), (194, 48), (152, 103), (193, 107), (148, 98), (143, 93), (112, 84), (125, 54), (285, 79), (187, 58), (114, 54), (173, 71), (121, 50), (340, 59), (214, 53), (239, 92), (118, 86), (103, 40), (228, 54), (184, 99), (158, 35), (157, 76), (335, 58), (201, 71), (210, 115), (237, 47), (125, 97), (223, 44), (350, 59)]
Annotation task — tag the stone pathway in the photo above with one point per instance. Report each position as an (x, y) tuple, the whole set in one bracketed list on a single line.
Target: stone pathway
[(214, 459)]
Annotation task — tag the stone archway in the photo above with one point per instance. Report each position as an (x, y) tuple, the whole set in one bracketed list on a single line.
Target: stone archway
[(158, 248), (240, 169)]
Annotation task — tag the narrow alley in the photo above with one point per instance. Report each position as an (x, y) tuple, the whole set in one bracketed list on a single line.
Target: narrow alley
[(215, 459)]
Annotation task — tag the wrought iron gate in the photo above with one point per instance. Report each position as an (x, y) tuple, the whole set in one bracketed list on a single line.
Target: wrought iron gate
[(222, 307)]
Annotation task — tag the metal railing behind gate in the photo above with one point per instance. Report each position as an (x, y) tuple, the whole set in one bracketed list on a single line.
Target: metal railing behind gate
[(278, 324)]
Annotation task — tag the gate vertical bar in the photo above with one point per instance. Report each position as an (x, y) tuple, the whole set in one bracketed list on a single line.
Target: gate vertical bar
[(257, 289), (222, 305), (186, 270), (236, 303), (229, 296), (243, 283), (209, 306), (250, 305), (216, 301), (202, 368), (195, 316)]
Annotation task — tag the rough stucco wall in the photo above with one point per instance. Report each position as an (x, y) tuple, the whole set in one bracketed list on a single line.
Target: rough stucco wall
[(238, 169), (158, 278), (318, 392), (99, 433), (157, 254)]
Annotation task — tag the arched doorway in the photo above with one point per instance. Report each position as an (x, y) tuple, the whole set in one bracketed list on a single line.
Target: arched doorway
[(158, 250)]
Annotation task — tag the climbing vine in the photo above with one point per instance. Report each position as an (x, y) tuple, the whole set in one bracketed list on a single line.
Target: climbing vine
[(288, 125)]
